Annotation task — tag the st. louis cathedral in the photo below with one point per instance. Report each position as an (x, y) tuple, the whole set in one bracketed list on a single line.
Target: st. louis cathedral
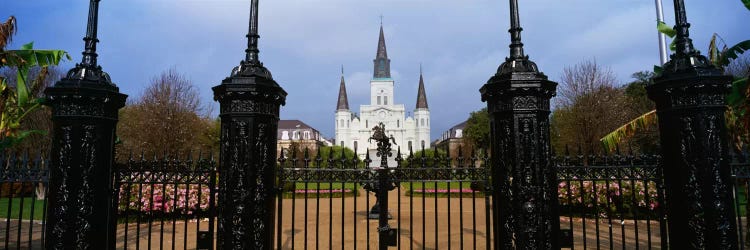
[(353, 130)]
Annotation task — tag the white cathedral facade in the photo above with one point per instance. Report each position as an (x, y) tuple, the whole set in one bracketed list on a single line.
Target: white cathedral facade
[(353, 131)]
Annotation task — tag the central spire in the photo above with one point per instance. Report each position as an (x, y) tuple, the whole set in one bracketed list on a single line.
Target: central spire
[(382, 63)]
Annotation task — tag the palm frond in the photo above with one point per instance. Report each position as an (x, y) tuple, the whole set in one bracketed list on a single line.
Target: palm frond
[(627, 130), (7, 30), (734, 52), (665, 29)]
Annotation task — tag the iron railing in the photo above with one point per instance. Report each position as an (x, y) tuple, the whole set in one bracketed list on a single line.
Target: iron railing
[(608, 202), (23, 183), (166, 202), (612, 201), (436, 202)]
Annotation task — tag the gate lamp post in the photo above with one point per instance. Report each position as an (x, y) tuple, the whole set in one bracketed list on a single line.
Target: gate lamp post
[(690, 103), (81, 212), (524, 188), (249, 111)]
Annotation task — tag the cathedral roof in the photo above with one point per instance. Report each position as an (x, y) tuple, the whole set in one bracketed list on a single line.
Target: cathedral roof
[(382, 63), (343, 101), (421, 95)]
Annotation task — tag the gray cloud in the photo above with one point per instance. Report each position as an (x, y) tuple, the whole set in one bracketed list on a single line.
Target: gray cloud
[(304, 42)]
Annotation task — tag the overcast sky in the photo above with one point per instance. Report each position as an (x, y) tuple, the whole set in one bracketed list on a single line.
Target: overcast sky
[(304, 43)]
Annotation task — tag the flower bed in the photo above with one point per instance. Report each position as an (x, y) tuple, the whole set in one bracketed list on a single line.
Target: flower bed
[(164, 198), (614, 198)]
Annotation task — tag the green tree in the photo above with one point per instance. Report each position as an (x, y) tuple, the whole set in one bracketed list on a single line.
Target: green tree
[(334, 154), (430, 158), (588, 106), (39, 119), (477, 130), (17, 102), (167, 118)]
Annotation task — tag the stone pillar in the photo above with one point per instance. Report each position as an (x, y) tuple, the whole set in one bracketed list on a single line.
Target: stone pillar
[(81, 209), (690, 102)]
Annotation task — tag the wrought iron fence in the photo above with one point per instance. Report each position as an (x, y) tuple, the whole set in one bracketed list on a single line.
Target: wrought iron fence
[(163, 203), (741, 177), (436, 202), (609, 202), (612, 201), (166, 202), (23, 183)]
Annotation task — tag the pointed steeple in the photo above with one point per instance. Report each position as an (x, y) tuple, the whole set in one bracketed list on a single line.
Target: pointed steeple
[(343, 102), (421, 95), (382, 63)]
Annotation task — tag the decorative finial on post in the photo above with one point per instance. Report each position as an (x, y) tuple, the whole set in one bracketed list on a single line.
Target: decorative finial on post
[(517, 61), (252, 35), (682, 40), (252, 66), (89, 54), (685, 56), (516, 46), (88, 72)]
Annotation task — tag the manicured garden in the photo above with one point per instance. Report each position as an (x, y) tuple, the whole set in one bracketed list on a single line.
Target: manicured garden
[(26, 210)]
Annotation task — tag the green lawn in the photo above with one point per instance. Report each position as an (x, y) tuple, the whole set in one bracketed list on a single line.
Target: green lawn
[(335, 185), (320, 190), (432, 185), (16, 207)]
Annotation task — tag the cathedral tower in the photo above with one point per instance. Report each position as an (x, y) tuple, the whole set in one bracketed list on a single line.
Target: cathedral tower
[(422, 115)]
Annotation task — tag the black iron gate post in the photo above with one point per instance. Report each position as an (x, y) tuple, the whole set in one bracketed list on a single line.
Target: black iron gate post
[(249, 109), (690, 103), (80, 211), (524, 190), (385, 182)]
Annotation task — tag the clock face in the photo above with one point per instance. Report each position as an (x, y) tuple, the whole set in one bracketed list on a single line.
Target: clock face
[(381, 114)]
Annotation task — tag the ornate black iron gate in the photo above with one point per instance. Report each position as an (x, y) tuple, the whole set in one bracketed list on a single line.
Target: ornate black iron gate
[(166, 202), (424, 201)]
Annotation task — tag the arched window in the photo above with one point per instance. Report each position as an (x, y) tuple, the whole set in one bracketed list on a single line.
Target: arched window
[(378, 100), (409, 145), (347, 124), (398, 123), (422, 120), (341, 123), (385, 100), (355, 144), (367, 124)]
